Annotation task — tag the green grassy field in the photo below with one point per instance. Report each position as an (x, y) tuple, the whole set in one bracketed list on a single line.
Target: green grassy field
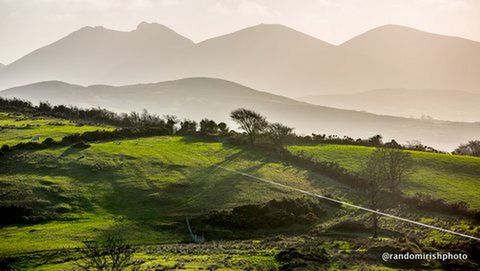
[(143, 188), (138, 186), (16, 128), (450, 177)]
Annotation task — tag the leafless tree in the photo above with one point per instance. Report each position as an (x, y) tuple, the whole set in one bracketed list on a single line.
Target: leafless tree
[(386, 168), (111, 254), (373, 172)]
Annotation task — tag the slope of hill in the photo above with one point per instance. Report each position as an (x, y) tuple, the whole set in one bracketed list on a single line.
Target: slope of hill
[(434, 61), (440, 104), (139, 187), (90, 53), (450, 177), (196, 98), (270, 57)]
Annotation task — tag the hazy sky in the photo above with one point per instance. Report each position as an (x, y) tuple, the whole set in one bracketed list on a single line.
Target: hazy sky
[(26, 25)]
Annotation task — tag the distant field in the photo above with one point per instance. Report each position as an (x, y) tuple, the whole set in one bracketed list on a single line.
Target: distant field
[(141, 187), (16, 128), (451, 177)]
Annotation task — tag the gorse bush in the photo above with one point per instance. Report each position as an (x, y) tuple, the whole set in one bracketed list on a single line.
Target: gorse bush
[(274, 213)]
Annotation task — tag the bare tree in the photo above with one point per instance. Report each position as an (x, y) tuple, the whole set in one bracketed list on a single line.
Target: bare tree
[(397, 165), (386, 168), (111, 254), (250, 121), (373, 172)]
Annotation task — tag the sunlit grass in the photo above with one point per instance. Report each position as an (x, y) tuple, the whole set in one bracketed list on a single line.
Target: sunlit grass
[(450, 177), (16, 128)]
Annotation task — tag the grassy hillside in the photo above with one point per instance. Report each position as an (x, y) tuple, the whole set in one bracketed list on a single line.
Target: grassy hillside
[(16, 128), (450, 177), (144, 188), (140, 186)]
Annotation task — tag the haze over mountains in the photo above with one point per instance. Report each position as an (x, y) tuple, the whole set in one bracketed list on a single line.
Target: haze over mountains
[(438, 104), (196, 98), (409, 69), (273, 58)]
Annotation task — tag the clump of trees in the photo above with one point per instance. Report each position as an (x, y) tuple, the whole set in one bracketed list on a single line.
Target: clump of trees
[(256, 126), (471, 148), (95, 115)]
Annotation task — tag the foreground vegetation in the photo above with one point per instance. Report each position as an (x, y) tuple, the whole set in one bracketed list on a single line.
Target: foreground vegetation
[(144, 187)]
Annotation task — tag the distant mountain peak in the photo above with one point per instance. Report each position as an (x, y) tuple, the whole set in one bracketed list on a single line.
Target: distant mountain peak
[(97, 28), (398, 33), (144, 26), (273, 32)]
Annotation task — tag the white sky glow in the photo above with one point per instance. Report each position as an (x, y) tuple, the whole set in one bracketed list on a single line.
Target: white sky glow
[(26, 25)]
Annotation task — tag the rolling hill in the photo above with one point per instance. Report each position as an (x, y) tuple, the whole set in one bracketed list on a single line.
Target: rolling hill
[(269, 57), (450, 177), (439, 104), (197, 98)]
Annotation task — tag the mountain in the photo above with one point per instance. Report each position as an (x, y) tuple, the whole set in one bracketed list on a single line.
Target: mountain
[(87, 55), (439, 104), (434, 61), (196, 98), (283, 61), (268, 57)]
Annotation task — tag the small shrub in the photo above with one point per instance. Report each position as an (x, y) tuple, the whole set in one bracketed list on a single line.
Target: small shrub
[(48, 141), (81, 145), (349, 226), (62, 208)]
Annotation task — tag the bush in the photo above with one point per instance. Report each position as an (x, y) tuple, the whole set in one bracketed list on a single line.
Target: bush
[(14, 213), (5, 148), (349, 226), (275, 213), (62, 208), (81, 145), (427, 202), (48, 141)]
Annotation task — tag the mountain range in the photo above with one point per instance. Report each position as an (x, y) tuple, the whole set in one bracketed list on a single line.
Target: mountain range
[(197, 98), (273, 58)]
